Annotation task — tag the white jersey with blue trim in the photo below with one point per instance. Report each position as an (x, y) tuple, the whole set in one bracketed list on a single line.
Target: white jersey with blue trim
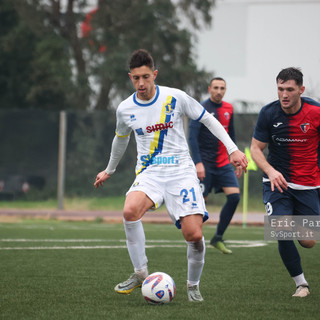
[(159, 131)]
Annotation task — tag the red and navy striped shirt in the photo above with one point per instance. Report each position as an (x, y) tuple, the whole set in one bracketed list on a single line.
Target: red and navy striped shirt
[(205, 147), (293, 141)]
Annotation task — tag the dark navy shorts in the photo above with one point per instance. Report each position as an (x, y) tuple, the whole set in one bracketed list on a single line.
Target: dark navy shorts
[(291, 201), (217, 178)]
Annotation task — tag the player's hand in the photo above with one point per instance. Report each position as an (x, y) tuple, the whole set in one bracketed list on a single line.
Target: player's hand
[(201, 171), (101, 178), (277, 180), (238, 172), (239, 159)]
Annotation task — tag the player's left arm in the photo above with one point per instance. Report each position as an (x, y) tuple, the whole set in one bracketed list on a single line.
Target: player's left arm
[(237, 158), (194, 110)]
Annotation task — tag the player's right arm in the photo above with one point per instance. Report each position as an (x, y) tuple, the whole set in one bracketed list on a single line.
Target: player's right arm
[(276, 178), (101, 178), (119, 146)]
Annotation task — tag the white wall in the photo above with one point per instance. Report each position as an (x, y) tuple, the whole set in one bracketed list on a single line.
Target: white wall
[(251, 41)]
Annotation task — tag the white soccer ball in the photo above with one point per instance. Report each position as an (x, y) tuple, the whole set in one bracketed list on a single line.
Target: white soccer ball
[(158, 288)]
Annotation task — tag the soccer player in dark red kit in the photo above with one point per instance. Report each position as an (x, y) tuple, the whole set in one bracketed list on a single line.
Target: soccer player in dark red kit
[(212, 161), (290, 127)]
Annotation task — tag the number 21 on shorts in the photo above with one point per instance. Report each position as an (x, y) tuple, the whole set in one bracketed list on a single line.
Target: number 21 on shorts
[(186, 195)]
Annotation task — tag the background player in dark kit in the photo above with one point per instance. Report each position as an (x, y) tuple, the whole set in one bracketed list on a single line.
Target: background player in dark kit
[(212, 161)]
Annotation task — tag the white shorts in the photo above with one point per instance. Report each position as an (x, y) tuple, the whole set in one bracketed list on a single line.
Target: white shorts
[(181, 193)]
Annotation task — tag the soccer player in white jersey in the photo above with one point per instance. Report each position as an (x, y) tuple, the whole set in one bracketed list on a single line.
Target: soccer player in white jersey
[(165, 171)]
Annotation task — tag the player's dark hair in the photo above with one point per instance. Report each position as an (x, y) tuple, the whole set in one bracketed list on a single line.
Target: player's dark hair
[(141, 58), (290, 74), (216, 78)]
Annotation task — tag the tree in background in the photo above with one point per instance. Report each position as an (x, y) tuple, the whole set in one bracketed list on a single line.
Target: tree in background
[(68, 55), (34, 61)]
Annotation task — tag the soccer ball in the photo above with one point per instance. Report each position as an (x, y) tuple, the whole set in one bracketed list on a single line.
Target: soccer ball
[(158, 288)]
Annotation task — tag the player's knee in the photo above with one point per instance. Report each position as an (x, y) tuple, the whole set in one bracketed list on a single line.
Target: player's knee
[(130, 213), (191, 227), (195, 236), (307, 243)]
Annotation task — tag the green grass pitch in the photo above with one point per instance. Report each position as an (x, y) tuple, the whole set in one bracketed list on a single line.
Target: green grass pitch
[(67, 270)]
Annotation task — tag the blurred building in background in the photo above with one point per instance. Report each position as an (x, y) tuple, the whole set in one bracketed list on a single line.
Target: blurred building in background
[(250, 41)]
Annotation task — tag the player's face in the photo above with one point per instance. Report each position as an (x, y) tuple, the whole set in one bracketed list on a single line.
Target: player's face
[(289, 95), (217, 89), (143, 81)]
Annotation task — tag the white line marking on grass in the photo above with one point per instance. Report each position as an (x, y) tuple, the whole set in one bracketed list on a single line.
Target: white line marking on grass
[(252, 245), (86, 240), (59, 226), (156, 244), (60, 240), (85, 247), (63, 248), (246, 243)]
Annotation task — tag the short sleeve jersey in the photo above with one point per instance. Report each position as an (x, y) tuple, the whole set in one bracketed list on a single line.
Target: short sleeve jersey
[(205, 147), (158, 126), (293, 141)]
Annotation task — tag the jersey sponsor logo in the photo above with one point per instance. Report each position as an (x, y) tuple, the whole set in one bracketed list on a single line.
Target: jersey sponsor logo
[(148, 159), (160, 131), (159, 127), (280, 140), (278, 124), (305, 127)]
